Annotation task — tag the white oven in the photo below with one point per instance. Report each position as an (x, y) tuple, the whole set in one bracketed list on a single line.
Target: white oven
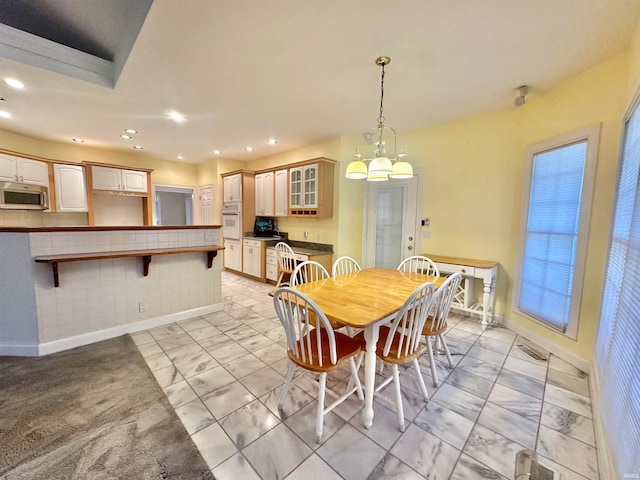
[(232, 221)]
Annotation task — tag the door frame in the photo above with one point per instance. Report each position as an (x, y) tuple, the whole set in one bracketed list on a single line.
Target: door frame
[(163, 187), (368, 240)]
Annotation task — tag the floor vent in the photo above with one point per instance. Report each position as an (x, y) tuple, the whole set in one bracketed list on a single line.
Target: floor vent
[(528, 468), (531, 352)]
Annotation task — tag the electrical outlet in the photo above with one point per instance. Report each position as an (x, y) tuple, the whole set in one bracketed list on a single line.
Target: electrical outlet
[(143, 307), (426, 234), (209, 237), (305, 235)]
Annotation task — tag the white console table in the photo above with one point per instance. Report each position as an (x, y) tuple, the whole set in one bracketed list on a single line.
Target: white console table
[(485, 270)]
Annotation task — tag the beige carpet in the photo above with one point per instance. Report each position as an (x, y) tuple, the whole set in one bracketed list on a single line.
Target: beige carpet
[(94, 412)]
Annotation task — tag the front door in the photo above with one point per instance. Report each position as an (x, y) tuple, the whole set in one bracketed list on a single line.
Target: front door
[(390, 222)]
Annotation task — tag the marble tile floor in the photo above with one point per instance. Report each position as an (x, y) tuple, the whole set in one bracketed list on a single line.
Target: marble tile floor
[(223, 372)]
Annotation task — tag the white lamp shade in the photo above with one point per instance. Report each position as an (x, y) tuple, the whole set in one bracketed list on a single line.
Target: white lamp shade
[(356, 170), (401, 170), (377, 177), (380, 165)]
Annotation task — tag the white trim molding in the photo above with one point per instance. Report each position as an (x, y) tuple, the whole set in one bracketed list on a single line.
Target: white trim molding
[(33, 350)]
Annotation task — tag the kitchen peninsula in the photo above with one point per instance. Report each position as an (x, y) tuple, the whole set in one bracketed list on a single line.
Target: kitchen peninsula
[(104, 289)]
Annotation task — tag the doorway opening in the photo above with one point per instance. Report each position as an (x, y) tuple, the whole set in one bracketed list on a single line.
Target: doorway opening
[(173, 205)]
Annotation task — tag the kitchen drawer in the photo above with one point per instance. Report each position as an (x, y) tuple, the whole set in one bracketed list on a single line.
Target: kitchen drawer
[(272, 260), (252, 243), (465, 270), (271, 252), (272, 272), (301, 258)]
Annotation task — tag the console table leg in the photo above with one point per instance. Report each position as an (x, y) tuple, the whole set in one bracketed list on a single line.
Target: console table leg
[(486, 304)]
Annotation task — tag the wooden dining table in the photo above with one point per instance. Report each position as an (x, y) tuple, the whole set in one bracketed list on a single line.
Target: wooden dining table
[(366, 299)]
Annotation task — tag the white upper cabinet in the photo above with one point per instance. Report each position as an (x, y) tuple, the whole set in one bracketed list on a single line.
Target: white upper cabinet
[(281, 182), (303, 187), (134, 181), (23, 170), (109, 178), (71, 193), (264, 194), (232, 188)]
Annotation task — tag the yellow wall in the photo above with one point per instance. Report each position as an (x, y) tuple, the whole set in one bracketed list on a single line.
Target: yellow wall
[(164, 171)]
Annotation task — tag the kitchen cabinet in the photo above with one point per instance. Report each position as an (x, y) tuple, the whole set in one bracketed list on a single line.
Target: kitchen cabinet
[(311, 189), (23, 170), (265, 194), (233, 255), (271, 264), (125, 188), (232, 188), (281, 191), (239, 185), (70, 189), (109, 178), (303, 187), (252, 257)]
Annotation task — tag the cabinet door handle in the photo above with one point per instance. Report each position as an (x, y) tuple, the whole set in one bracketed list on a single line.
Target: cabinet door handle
[(16, 175), (21, 179)]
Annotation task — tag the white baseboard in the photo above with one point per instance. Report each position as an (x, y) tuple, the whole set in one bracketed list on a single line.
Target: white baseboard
[(18, 349), (606, 465), (46, 348), (566, 355)]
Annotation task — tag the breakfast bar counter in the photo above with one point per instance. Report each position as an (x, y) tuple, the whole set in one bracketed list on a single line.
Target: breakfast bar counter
[(98, 289)]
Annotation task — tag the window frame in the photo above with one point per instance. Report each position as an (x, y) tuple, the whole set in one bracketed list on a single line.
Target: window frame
[(590, 134)]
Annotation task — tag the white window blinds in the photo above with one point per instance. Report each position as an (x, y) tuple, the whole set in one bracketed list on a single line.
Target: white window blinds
[(617, 358)]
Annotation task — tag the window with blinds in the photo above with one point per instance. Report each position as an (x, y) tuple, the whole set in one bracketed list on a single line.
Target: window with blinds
[(553, 235), (617, 361)]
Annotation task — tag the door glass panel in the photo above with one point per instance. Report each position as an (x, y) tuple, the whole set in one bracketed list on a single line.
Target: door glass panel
[(389, 215), (296, 184)]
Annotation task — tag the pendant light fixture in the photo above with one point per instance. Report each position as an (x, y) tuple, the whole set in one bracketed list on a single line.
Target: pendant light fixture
[(381, 165)]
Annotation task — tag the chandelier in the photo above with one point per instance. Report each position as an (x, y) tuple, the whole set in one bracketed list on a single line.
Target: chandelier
[(382, 166)]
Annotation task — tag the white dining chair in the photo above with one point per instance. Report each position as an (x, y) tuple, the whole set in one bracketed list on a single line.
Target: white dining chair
[(344, 265), (399, 343), (286, 262), (308, 271), (419, 264), (436, 325), (318, 350)]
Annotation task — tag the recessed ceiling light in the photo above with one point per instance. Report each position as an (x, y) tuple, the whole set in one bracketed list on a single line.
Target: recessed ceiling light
[(131, 131), (138, 147), (180, 157), (78, 140), (177, 117), (216, 152), (4, 114), (249, 149), (272, 141), (13, 83), (125, 136)]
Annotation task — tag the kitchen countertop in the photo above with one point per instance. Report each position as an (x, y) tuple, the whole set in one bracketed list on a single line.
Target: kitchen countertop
[(300, 247)]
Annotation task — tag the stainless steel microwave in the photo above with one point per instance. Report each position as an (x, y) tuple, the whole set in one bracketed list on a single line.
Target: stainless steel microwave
[(19, 196)]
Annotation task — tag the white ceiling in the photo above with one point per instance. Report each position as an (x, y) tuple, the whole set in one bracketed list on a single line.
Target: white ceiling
[(301, 71)]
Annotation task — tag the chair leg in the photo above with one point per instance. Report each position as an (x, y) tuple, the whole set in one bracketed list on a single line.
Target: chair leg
[(399, 409), (279, 279), (446, 349), (432, 362), (320, 412), (354, 377), (423, 387), (291, 368)]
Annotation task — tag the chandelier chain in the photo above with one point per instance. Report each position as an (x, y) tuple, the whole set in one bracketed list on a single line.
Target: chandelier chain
[(381, 117)]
